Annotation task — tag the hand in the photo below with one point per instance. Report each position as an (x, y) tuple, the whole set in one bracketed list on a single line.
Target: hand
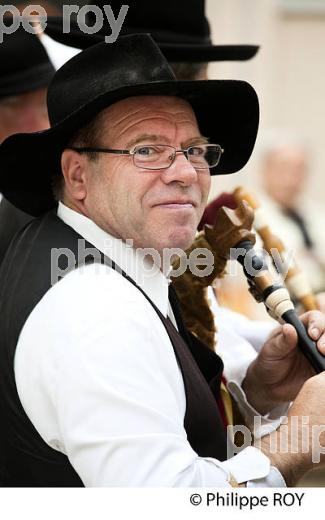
[(299, 444), (280, 369)]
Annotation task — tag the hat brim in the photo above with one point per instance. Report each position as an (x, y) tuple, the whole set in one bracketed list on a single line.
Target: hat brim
[(173, 52), (227, 113), (28, 80), (206, 53)]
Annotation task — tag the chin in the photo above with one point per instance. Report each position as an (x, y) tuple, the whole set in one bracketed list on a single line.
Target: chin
[(182, 238)]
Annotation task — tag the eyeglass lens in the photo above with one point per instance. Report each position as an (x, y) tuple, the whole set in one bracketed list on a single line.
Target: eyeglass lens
[(156, 157)]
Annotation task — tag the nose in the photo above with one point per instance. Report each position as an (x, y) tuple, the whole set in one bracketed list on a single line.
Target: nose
[(180, 171)]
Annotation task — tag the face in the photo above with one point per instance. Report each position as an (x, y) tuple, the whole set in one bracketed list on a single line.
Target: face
[(161, 208), (23, 113), (285, 173)]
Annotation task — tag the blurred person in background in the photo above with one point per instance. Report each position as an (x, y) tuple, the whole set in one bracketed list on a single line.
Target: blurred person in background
[(296, 219), (180, 29), (25, 72)]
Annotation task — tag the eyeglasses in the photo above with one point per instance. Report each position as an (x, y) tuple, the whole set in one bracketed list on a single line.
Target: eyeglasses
[(161, 156)]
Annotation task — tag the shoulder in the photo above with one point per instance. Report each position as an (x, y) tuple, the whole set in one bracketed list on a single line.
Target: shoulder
[(93, 304), (93, 338), (93, 313), (92, 281)]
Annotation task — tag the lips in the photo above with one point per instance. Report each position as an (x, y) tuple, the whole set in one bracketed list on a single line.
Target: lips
[(177, 203)]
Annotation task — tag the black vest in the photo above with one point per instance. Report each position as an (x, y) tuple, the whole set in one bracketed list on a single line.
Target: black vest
[(25, 277)]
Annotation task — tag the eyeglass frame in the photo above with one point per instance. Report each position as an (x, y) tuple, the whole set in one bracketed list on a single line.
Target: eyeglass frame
[(132, 152)]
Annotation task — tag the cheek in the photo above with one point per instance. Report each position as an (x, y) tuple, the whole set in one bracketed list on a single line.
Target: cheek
[(139, 187), (96, 186), (205, 184), (114, 187)]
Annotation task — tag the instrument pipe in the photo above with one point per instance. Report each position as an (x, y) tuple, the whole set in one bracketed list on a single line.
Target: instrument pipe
[(278, 303), (296, 280)]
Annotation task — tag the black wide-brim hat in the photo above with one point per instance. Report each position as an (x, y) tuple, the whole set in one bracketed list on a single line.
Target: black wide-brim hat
[(179, 27), (226, 110), (24, 63)]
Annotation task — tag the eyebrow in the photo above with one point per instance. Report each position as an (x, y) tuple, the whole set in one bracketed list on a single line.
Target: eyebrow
[(147, 137), (199, 139), (154, 138)]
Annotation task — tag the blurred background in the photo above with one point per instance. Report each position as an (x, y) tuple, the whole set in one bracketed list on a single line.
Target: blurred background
[(288, 73)]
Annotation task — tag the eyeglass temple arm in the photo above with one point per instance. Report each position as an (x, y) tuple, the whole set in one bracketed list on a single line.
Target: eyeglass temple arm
[(100, 150)]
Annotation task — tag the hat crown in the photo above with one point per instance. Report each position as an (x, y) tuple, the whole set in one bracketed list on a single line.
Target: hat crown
[(103, 69), (179, 27), (169, 21), (22, 59)]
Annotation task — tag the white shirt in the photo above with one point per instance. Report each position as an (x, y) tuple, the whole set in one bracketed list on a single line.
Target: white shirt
[(97, 376), (58, 53)]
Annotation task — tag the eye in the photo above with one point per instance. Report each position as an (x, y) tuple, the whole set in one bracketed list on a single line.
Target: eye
[(146, 151), (197, 151)]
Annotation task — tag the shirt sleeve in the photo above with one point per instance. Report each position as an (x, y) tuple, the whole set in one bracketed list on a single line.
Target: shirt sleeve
[(252, 467), (235, 333), (97, 376)]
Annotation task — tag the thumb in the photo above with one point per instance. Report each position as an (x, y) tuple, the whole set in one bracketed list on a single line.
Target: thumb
[(288, 338)]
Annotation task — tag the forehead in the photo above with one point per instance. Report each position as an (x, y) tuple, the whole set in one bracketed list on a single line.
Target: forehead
[(144, 113)]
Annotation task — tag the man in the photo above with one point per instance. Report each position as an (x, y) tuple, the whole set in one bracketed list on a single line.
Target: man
[(185, 41), (181, 49), (25, 72), (110, 394), (182, 32)]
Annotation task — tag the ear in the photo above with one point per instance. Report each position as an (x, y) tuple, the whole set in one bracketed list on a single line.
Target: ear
[(73, 165)]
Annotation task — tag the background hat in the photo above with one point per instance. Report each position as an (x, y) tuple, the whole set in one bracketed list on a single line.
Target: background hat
[(24, 64), (179, 27), (102, 75)]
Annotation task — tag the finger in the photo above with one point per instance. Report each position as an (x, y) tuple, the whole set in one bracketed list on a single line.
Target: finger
[(275, 332), (315, 324), (289, 337), (286, 342)]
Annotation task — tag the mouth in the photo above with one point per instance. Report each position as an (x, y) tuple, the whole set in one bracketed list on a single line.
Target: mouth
[(176, 204)]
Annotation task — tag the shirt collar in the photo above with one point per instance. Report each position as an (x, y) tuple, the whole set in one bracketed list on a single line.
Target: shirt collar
[(139, 267)]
